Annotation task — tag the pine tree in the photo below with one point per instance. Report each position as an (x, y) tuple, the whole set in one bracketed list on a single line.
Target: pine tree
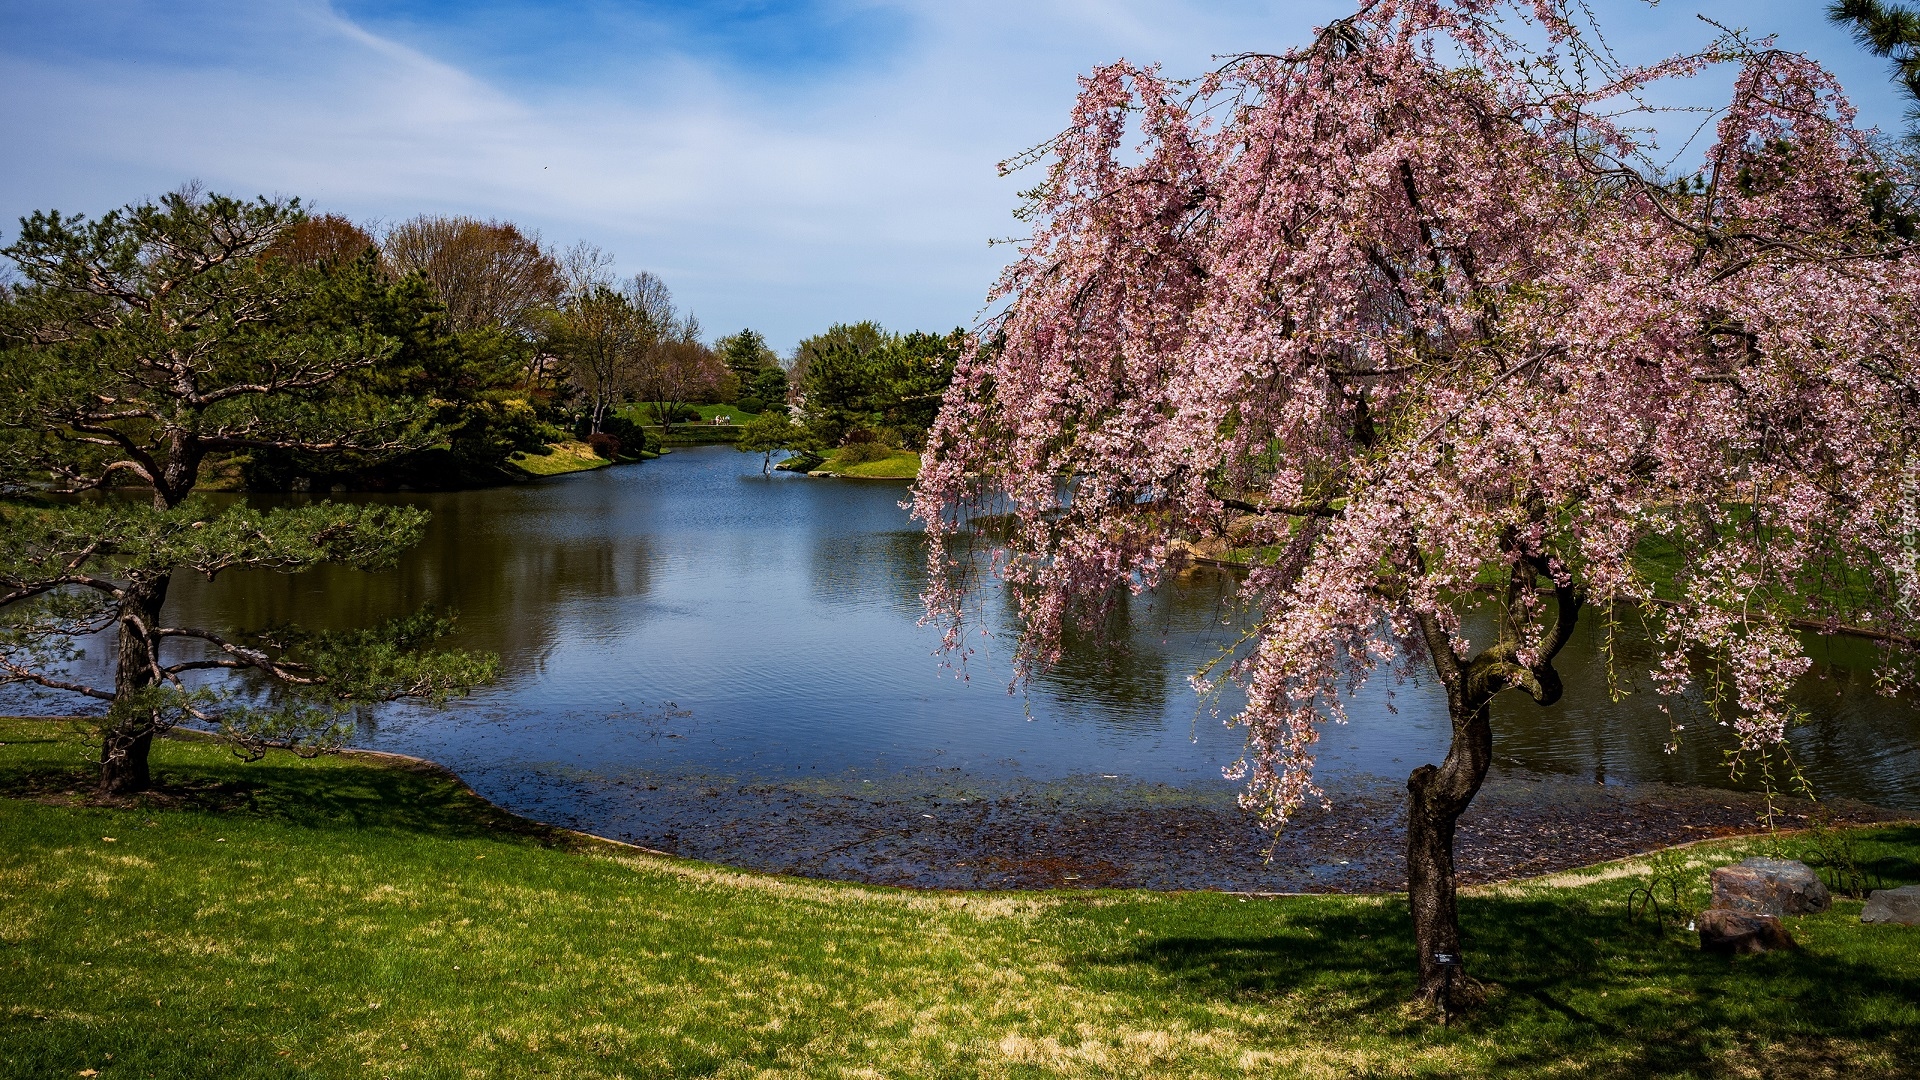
[(134, 346), (1888, 30)]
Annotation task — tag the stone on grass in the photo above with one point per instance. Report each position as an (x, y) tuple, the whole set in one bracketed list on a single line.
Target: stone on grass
[(1727, 931), (1900, 905), (1770, 887)]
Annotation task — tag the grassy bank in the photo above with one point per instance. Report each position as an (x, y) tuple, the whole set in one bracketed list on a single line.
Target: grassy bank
[(356, 917), (694, 434), (701, 432), (897, 465), (567, 457)]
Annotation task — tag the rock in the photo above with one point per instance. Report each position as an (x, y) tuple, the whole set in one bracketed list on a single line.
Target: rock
[(1739, 932), (1212, 547), (1770, 887), (1187, 551), (1241, 529), (1900, 905)]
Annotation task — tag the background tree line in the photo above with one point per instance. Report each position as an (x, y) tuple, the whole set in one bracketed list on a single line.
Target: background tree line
[(167, 344), (518, 344), (858, 385)]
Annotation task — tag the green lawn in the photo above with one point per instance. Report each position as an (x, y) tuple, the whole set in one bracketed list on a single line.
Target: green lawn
[(567, 457), (641, 414), (899, 465), (358, 917), (708, 412)]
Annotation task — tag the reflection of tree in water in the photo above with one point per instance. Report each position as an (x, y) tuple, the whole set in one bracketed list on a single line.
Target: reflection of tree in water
[(861, 567), (1127, 665), (511, 575), (1852, 742), (1110, 668), (1124, 668)]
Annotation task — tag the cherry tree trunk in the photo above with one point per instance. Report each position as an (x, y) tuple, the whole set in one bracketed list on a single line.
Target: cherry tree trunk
[(1438, 796), (129, 731)]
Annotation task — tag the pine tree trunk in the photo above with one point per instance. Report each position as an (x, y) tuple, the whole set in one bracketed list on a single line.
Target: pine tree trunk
[(1438, 796), (123, 755), (129, 731)]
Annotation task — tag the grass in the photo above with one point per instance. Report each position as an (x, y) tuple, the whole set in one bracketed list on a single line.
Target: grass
[(567, 457), (690, 434), (366, 918), (643, 414), (708, 412), (898, 465)]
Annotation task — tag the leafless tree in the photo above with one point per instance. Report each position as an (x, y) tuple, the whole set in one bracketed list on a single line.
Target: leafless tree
[(597, 332), (488, 273), (679, 368), (324, 240)]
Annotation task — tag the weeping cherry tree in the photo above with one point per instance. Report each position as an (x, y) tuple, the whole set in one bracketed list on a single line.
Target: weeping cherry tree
[(1413, 301)]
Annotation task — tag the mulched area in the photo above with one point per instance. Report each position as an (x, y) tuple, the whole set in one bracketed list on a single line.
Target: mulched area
[(1101, 835)]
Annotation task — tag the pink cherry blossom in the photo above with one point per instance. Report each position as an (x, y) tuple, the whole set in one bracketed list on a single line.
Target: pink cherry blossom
[(1413, 297)]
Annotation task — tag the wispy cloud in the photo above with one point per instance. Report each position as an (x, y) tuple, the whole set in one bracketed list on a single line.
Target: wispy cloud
[(782, 166)]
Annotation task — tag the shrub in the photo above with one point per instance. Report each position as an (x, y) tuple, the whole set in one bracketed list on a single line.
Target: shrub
[(862, 452), (634, 439), (750, 405), (605, 445), (1833, 854), (677, 414), (858, 435)]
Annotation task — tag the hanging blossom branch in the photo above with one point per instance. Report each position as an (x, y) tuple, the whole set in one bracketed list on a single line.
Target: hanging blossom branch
[(1450, 347)]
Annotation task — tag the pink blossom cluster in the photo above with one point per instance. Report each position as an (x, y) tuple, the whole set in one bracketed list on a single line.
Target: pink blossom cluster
[(1411, 299)]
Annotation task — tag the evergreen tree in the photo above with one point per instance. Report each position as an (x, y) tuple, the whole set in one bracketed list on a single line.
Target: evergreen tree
[(860, 375), (837, 372), (135, 346), (767, 432), (1889, 30), (746, 354)]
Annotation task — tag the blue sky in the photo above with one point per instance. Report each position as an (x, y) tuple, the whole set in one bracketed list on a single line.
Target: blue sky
[(780, 165)]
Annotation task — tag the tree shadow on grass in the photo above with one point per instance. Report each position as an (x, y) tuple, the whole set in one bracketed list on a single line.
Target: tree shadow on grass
[(1887, 855), (334, 793), (406, 796), (1574, 973), (1574, 987), (1351, 960)]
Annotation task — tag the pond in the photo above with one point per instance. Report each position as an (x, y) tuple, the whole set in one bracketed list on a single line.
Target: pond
[(700, 658)]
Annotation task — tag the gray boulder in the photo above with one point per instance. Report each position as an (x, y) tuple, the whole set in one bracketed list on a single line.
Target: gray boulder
[(1770, 887), (1900, 905), (1726, 931)]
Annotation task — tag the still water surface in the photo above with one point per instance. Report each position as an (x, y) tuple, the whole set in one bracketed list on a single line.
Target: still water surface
[(691, 618)]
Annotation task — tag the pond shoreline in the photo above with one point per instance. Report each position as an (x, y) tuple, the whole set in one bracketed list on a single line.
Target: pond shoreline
[(946, 836), (944, 830)]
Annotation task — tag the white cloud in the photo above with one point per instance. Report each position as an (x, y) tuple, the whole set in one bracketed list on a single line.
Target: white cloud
[(865, 190)]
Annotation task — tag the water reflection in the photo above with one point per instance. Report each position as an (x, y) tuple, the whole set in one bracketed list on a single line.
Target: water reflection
[(781, 616), (1130, 667), (1853, 741), (521, 567), (857, 568)]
